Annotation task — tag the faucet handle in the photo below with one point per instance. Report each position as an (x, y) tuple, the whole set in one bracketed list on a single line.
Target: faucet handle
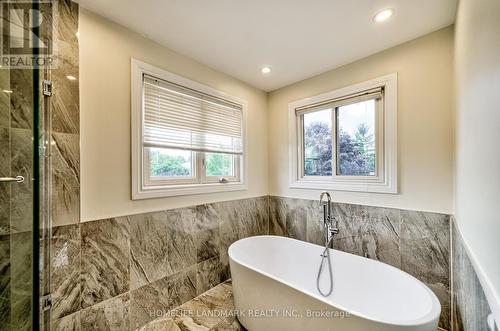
[(334, 229)]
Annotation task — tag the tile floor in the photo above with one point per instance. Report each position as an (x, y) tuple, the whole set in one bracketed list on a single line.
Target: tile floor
[(208, 311)]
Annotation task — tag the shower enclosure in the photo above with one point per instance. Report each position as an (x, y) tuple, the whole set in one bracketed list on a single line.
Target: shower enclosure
[(20, 166), (39, 157)]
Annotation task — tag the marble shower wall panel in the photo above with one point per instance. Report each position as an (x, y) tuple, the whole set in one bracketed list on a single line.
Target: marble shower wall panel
[(20, 283), (137, 265), (5, 99), (416, 242), (21, 99), (4, 151), (4, 172), (5, 280), (65, 119), (21, 151), (469, 306)]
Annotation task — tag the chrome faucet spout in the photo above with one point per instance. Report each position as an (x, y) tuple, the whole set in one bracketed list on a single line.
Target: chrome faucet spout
[(329, 222)]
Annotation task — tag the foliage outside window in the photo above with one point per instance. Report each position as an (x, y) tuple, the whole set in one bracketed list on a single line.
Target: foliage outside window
[(171, 163), (353, 139)]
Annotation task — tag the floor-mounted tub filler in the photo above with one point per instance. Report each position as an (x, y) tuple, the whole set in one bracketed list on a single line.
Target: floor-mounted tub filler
[(274, 285)]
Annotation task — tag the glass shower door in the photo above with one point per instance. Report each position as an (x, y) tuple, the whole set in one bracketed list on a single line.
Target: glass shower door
[(19, 167), (17, 193)]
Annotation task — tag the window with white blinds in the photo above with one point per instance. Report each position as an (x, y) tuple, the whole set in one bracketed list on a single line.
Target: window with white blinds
[(180, 118), (187, 138)]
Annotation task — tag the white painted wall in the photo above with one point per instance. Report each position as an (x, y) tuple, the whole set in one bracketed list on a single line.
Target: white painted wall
[(425, 123), (105, 52), (477, 192)]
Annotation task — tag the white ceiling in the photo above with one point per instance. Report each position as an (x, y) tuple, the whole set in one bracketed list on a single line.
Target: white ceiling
[(297, 38)]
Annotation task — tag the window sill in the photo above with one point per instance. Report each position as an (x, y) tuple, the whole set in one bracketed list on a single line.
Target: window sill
[(189, 189), (346, 185)]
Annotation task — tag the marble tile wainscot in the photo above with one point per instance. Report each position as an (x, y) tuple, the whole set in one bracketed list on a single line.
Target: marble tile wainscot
[(469, 306), (115, 274), (416, 242), (119, 273)]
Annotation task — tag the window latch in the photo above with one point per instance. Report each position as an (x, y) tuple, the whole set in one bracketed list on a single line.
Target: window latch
[(223, 180)]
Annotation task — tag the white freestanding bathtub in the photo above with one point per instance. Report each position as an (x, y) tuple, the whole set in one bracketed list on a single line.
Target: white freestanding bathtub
[(274, 285)]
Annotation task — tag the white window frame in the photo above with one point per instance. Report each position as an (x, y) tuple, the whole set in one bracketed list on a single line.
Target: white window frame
[(386, 177), (142, 186)]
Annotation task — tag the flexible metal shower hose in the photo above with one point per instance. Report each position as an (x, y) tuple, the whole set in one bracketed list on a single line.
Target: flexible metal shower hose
[(325, 255)]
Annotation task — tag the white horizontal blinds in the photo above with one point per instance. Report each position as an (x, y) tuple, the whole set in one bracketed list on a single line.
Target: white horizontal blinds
[(181, 118), (374, 93)]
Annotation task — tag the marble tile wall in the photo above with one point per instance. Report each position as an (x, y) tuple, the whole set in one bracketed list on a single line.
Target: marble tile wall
[(469, 306), (65, 120), (416, 242), (116, 274)]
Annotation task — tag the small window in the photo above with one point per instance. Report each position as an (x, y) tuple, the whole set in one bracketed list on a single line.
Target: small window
[(187, 138), (346, 139)]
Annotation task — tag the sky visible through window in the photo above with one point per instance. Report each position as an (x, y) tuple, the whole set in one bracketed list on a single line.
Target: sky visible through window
[(351, 116)]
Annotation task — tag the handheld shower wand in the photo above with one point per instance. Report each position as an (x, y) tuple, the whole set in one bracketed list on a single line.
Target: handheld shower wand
[(330, 231)]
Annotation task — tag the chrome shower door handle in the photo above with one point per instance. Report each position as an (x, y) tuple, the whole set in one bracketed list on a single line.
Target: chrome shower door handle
[(17, 179)]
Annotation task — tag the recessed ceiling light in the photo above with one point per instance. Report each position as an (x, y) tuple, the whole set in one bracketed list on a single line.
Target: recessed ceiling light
[(71, 77), (265, 70), (383, 15)]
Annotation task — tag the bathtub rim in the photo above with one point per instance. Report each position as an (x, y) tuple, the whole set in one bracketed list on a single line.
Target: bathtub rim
[(435, 309)]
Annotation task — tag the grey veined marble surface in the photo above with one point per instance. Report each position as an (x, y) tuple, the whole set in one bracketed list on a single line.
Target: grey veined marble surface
[(113, 274), (469, 304)]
